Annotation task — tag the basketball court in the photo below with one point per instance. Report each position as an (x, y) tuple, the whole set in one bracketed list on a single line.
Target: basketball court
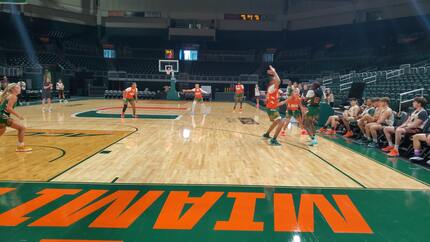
[(217, 163), (150, 149), (181, 170)]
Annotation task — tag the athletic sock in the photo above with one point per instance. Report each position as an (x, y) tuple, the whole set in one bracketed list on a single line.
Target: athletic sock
[(417, 152), (204, 110), (193, 107), (396, 147), (390, 143), (375, 141)]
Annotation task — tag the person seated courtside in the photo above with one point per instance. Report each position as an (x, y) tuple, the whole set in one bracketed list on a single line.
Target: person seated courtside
[(413, 125), (418, 139), (370, 111), (385, 117), (367, 108), (348, 116)]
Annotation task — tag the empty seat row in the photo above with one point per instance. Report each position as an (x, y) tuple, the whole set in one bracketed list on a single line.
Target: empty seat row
[(115, 94)]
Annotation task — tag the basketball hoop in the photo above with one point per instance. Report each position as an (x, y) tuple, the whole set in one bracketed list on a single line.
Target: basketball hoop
[(168, 67)]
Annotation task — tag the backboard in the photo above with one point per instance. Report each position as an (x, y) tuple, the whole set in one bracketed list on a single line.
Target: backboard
[(167, 66)]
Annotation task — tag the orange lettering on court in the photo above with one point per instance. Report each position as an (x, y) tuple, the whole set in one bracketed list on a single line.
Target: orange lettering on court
[(115, 216), (285, 218), (242, 214), (348, 221), (16, 215), (170, 215)]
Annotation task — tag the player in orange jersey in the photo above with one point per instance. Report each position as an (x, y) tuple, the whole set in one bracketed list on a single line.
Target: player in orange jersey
[(129, 95), (239, 90), (272, 105), (293, 109), (198, 98)]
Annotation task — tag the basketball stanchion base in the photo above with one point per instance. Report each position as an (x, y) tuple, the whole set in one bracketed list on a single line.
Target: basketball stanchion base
[(172, 94), (170, 67)]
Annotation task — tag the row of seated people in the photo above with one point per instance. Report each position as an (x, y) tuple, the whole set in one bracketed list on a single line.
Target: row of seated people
[(146, 94), (376, 125)]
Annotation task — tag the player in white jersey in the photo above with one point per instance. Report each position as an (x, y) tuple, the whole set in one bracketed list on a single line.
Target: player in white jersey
[(60, 90)]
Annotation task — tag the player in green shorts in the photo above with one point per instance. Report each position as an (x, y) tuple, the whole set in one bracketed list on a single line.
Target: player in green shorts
[(130, 95), (294, 114), (238, 98), (239, 90), (272, 105), (293, 109), (313, 111), (8, 101), (311, 117), (273, 114), (126, 101), (198, 98)]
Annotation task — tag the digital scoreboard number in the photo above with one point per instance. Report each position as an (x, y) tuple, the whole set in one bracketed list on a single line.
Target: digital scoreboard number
[(251, 17), (244, 17)]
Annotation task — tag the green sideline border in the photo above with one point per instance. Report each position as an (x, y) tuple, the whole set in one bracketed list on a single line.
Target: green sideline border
[(398, 164), (414, 171), (55, 100)]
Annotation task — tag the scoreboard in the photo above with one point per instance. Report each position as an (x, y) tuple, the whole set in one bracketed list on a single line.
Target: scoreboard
[(245, 17)]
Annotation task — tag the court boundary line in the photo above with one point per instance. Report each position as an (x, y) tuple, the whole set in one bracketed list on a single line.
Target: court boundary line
[(300, 147), (75, 115), (80, 162), (56, 100), (144, 108), (63, 152), (359, 153), (222, 130), (378, 162), (288, 143), (212, 185)]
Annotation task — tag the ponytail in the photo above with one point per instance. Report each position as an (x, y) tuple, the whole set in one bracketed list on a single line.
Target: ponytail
[(7, 91)]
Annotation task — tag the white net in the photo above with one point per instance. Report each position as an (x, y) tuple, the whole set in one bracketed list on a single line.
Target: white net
[(169, 70)]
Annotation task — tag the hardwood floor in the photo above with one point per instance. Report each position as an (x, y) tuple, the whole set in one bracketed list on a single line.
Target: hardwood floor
[(216, 148)]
